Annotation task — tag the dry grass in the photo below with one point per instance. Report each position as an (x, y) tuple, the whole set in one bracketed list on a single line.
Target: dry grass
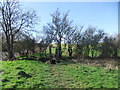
[(105, 63)]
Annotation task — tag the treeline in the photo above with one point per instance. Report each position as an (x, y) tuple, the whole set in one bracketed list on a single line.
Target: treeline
[(79, 42), (83, 41)]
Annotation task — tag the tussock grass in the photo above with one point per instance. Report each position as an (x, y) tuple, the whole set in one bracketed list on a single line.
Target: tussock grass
[(106, 63)]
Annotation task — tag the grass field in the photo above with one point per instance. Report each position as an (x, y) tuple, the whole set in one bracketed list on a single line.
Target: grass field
[(60, 75)]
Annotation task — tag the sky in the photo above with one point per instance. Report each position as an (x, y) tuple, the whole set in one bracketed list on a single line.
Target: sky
[(102, 15)]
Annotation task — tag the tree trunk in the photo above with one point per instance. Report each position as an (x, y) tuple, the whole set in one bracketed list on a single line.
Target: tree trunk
[(10, 55), (70, 50), (77, 51), (50, 51), (59, 51), (92, 52), (27, 53), (10, 51), (70, 53), (10, 48), (86, 54), (56, 52), (33, 50), (115, 53)]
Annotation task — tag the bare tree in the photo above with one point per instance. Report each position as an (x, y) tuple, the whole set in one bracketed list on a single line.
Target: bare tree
[(107, 47), (14, 20), (58, 29), (25, 46), (91, 39), (72, 37), (116, 45), (77, 41), (43, 45)]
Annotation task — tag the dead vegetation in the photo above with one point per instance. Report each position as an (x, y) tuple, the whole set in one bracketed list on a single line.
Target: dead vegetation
[(106, 63)]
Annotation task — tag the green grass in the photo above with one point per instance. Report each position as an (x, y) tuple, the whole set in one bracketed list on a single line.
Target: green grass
[(36, 69), (60, 75)]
